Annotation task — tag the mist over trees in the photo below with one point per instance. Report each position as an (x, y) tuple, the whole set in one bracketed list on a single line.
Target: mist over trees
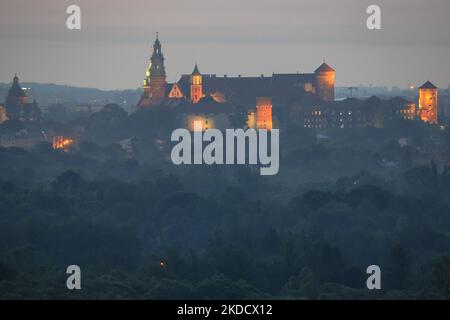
[(140, 227)]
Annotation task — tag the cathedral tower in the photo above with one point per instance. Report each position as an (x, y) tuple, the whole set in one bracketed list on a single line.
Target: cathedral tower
[(325, 76), (428, 103), (196, 85), (155, 81)]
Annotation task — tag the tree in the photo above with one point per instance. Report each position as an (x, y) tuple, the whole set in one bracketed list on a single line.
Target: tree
[(440, 277)]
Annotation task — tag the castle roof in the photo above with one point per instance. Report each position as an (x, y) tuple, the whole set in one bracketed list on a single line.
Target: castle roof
[(324, 68), (428, 85), (169, 88), (207, 105), (292, 79), (244, 90)]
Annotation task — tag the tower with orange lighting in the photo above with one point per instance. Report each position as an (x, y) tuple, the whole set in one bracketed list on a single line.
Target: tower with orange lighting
[(325, 77), (428, 103), (196, 85), (264, 113)]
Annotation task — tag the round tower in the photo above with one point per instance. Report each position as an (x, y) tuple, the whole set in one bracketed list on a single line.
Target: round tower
[(325, 76), (428, 103)]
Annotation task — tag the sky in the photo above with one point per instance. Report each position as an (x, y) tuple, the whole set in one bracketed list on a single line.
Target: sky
[(247, 37)]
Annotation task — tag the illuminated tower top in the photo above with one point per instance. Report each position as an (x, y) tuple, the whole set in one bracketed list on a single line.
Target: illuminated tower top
[(196, 76), (196, 85)]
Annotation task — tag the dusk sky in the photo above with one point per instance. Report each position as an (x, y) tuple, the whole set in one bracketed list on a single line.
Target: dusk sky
[(248, 37)]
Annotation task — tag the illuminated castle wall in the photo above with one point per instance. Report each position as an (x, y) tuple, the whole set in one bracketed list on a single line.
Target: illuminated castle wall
[(428, 103), (208, 122), (264, 113)]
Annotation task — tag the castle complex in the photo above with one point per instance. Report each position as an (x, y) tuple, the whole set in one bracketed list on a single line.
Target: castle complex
[(208, 97), (306, 98)]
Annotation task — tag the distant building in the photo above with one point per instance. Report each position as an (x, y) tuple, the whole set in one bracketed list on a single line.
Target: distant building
[(17, 105), (350, 113), (62, 143), (428, 103)]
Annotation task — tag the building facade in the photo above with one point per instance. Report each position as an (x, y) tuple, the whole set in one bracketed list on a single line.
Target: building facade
[(351, 113), (17, 105)]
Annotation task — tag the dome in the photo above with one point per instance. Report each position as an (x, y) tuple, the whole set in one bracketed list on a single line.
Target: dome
[(16, 90)]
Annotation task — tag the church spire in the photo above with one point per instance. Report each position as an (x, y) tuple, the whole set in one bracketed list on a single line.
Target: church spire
[(157, 59), (196, 72)]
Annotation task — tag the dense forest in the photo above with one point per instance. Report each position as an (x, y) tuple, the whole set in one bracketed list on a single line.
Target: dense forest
[(142, 228)]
